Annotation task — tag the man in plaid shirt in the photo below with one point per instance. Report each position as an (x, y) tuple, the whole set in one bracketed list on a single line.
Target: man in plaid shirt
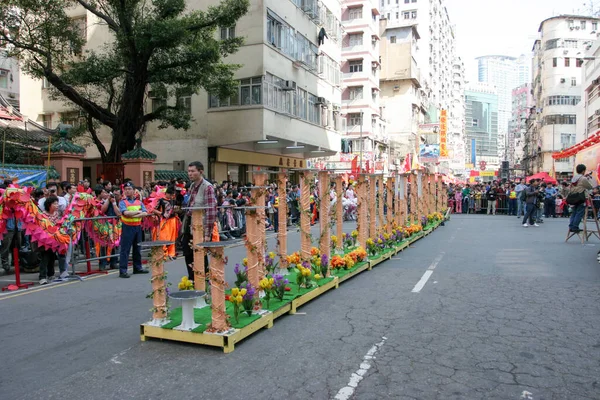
[(202, 194)]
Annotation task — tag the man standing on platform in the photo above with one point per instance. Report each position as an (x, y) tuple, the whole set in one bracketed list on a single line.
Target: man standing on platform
[(202, 194), (132, 212), (580, 184)]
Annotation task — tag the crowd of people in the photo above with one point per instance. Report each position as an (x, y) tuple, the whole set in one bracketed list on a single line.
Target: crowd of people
[(533, 200)]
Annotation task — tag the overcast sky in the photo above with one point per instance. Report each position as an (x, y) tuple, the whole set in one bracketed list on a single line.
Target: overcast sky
[(503, 27)]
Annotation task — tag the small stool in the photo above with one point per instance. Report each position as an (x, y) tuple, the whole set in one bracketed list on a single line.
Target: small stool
[(188, 300)]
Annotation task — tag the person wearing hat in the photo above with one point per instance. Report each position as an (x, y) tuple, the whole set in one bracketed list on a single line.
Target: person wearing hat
[(132, 211)]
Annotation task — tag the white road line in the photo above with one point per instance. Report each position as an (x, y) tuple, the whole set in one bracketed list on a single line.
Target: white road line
[(421, 284), (423, 281), (347, 391)]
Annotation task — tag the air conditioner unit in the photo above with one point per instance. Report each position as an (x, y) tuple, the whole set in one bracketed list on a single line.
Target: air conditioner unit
[(595, 82), (562, 80), (597, 112), (321, 100), (336, 108), (289, 85), (179, 165)]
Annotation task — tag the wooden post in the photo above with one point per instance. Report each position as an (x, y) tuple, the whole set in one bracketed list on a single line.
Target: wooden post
[(397, 200), (159, 284), (390, 204), (403, 200), (217, 287), (258, 195), (363, 229), (380, 221), (339, 224), (324, 217), (252, 246), (305, 238), (198, 237), (372, 202), (282, 218)]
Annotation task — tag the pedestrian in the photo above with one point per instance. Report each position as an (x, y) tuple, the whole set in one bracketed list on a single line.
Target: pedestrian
[(48, 256), (531, 200), (550, 201), (169, 222), (520, 198), (491, 196), (512, 200), (132, 211), (466, 192), (577, 197), (201, 194)]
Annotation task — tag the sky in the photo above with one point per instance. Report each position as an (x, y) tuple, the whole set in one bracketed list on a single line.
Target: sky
[(503, 27)]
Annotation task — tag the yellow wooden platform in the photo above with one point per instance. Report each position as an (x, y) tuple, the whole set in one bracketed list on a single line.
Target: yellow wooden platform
[(355, 272), (299, 301)]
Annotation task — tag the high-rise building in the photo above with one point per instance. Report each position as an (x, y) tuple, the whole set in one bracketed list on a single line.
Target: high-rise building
[(287, 108), (522, 102), (400, 83), (557, 89), (481, 117)]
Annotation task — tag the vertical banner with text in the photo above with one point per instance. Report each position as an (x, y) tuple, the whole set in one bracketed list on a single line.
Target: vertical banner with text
[(444, 134)]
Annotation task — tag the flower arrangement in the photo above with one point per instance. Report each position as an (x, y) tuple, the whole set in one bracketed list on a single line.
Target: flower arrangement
[(304, 274), (270, 264), (334, 242), (241, 275), (348, 241), (185, 284), (372, 247), (349, 261), (236, 298), (315, 252), (279, 286), (358, 255), (423, 220), (413, 228), (337, 262), (294, 258), (245, 261), (354, 236), (266, 284), (248, 298), (324, 264), (436, 216)]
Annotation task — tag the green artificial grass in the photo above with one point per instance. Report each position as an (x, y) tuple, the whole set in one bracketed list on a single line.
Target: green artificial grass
[(341, 272)]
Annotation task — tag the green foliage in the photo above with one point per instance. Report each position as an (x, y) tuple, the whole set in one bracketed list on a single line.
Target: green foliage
[(155, 45)]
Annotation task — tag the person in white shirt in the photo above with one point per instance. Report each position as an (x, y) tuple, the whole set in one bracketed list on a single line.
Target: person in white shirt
[(52, 189)]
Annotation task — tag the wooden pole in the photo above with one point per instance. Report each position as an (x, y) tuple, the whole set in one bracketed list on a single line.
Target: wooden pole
[(363, 229), (403, 210), (217, 287), (258, 195), (159, 284), (372, 202), (252, 247), (390, 203), (324, 217), (198, 237), (282, 217), (380, 221), (305, 238), (339, 224)]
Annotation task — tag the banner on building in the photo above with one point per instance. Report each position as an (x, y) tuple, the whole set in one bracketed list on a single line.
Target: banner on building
[(429, 153), (444, 134), (24, 177)]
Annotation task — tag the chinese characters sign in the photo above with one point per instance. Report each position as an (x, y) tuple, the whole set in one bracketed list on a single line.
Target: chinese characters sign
[(444, 134)]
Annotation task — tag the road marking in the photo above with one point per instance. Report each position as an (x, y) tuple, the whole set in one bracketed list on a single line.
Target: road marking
[(526, 395), (419, 286), (115, 358), (347, 391)]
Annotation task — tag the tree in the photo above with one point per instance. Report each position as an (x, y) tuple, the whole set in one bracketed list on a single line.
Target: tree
[(156, 45)]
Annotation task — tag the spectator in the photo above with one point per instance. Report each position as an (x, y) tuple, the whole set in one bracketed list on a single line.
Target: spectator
[(580, 185)]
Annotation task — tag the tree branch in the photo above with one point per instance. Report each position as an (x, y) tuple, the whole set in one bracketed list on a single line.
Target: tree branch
[(109, 21), (154, 115), (95, 138)]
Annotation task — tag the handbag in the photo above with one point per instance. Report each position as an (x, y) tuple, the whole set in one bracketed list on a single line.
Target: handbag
[(576, 198)]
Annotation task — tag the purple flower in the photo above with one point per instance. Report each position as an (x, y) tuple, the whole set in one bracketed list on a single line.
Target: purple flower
[(324, 260), (250, 292), (268, 261), (306, 264), (236, 270)]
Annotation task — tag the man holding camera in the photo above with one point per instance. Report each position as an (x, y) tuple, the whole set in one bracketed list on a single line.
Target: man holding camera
[(577, 197)]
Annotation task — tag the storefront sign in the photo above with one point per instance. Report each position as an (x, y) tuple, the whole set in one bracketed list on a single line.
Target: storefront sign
[(258, 159), (444, 134)]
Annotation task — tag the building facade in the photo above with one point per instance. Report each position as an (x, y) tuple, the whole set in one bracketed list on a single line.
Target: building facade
[(9, 79), (522, 103), (588, 110), (481, 106), (287, 108), (557, 89), (456, 120)]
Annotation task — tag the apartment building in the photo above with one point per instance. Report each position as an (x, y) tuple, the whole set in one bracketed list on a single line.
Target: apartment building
[(481, 114), (9, 78), (522, 103), (287, 108), (401, 87), (557, 89), (588, 110)]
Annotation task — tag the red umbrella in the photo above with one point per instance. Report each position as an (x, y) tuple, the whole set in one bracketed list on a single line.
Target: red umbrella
[(543, 176)]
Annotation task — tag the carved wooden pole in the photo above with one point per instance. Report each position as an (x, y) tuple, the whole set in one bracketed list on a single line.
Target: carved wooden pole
[(372, 201), (397, 199), (363, 229), (324, 217), (389, 204), (258, 194), (380, 220), (282, 218), (217, 287), (339, 224), (198, 237), (403, 200), (159, 284), (305, 238), (252, 246)]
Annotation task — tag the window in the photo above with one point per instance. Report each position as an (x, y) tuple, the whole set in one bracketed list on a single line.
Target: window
[(579, 62), (562, 100), (250, 91), (4, 78), (355, 13), (406, 15), (573, 81), (555, 62), (356, 92), (475, 122), (392, 39), (571, 44), (551, 44), (388, 16), (80, 27), (329, 69), (184, 100), (280, 35), (406, 1), (71, 118), (156, 101), (567, 62), (567, 140), (227, 32), (594, 26), (356, 66), (413, 14), (562, 119), (47, 121), (397, 15), (355, 39), (354, 119), (413, 1), (314, 110), (582, 24)]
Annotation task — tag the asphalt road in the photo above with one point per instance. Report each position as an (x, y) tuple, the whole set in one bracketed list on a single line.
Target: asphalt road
[(506, 313)]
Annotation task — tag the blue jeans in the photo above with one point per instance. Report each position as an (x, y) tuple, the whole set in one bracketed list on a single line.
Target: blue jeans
[(131, 236), (576, 217), (530, 210), (512, 206), (521, 207)]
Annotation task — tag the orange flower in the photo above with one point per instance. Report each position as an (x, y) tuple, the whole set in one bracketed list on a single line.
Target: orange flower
[(315, 252)]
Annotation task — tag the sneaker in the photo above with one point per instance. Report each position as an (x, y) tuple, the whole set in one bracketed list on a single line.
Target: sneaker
[(575, 230), (125, 275), (43, 281), (525, 224), (140, 271), (64, 275), (535, 225)]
